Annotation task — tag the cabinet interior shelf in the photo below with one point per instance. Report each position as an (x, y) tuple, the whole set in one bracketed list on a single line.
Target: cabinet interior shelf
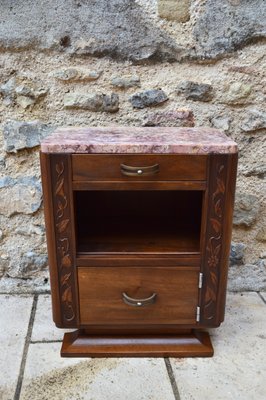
[(138, 222)]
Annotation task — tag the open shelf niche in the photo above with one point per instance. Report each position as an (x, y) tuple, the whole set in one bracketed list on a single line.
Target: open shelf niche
[(135, 221)]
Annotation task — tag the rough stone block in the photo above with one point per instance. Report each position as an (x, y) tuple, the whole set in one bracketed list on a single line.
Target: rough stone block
[(148, 98), (7, 90), (196, 91), (236, 93), (28, 265), (20, 135), (174, 118), (30, 230), (125, 82), (40, 284), (222, 122), (24, 95), (34, 92), (246, 209), (248, 277), (261, 235), (237, 253), (259, 171), (25, 193), (92, 101), (225, 26), (254, 120), (25, 101), (75, 74), (263, 254), (4, 263), (177, 10)]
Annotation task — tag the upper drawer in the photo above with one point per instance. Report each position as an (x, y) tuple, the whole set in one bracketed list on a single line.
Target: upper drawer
[(124, 167)]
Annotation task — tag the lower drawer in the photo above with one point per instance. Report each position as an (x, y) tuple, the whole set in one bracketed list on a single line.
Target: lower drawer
[(135, 295)]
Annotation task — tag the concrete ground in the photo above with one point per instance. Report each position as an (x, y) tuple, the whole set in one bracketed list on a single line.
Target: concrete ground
[(31, 367)]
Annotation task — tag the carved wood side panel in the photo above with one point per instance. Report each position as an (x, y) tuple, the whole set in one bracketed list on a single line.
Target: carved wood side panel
[(213, 239), (63, 237)]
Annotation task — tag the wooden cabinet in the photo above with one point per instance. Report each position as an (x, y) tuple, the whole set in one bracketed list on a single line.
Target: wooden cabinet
[(138, 225)]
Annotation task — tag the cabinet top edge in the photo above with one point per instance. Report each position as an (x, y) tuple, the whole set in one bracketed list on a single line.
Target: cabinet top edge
[(162, 140)]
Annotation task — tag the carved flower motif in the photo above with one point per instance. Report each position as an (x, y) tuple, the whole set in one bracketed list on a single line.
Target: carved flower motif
[(213, 261), (214, 251)]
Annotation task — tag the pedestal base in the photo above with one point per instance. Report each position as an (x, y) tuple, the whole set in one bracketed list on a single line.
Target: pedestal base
[(192, 344)]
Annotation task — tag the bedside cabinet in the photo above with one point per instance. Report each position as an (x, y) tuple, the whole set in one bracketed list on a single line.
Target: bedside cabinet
[(138, 224)]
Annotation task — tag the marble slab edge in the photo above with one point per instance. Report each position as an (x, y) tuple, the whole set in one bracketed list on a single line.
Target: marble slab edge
[(138, 140)]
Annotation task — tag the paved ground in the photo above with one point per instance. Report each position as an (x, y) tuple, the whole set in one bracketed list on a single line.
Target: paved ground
[(31, 368)]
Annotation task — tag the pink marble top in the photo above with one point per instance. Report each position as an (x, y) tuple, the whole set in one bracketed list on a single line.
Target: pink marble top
[(138, 140)]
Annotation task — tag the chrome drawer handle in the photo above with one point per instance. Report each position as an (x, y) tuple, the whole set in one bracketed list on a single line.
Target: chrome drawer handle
[(136, 171), (139, 302)]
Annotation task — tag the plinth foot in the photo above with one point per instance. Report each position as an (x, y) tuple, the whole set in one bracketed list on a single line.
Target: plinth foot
[(81, 344)]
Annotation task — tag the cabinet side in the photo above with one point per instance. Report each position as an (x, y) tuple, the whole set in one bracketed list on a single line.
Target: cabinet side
[(227, 231), (219, 204), (59, 215), (50, 236)]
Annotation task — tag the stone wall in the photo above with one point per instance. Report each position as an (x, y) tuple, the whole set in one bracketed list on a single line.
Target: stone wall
[(125, 62)]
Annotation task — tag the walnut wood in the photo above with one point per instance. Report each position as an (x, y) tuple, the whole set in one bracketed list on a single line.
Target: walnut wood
[(216, 243), (227, 233), (50, 236), (108, 233), (136, 329), (109, 260), (194, 344), (133, 185), (100, 291), (144, 242), (63, 237), (97, 167)]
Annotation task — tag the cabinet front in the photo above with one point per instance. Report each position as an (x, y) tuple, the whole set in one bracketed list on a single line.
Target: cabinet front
[(138, 295)]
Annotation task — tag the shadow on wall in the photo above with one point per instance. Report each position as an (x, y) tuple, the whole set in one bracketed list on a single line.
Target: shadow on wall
[(122, 29), (117, 28)]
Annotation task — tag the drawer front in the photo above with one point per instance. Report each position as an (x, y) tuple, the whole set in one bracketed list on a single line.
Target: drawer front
[(125, 167), (135, 295)]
